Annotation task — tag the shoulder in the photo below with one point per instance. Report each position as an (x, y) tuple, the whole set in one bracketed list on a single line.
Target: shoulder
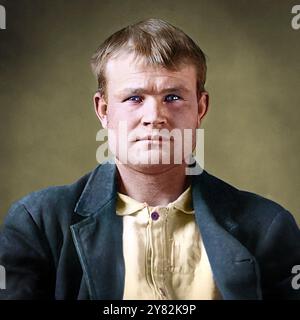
[(50, 205), (257, 222), (245, 207), (224, 191)]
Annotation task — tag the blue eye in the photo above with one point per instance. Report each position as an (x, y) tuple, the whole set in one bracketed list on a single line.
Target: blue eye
[(171, 97), (135, 99)]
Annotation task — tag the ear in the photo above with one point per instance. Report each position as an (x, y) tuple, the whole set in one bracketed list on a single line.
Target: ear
[(100, 106), (203, 102)]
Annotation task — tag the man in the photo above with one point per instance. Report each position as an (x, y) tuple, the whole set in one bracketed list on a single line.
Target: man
[(145, 229)]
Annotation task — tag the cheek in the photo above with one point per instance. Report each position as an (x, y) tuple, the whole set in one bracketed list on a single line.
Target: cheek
[(114, 115), (121, 124), (119, 115), (184, 118)]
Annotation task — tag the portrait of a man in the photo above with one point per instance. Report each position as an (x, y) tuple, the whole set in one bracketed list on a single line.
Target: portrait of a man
[(150, 223)]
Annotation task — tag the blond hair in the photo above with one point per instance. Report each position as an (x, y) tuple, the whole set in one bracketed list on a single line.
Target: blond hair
[(157, 42)]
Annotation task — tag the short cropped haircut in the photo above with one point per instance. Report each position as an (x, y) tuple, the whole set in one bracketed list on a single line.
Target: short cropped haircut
[(157, 42)]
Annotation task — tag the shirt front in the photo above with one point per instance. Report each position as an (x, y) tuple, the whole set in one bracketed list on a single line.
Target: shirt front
[(164, 255)]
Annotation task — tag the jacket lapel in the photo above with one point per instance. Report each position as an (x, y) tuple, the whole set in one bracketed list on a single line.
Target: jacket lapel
[(235, 269), (98, 237)]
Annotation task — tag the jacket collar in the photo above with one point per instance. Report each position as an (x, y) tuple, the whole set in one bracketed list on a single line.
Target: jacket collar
[(100, 189), (98, 238)]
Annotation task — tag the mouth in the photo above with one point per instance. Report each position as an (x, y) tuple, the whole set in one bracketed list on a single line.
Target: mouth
[(153, 139)]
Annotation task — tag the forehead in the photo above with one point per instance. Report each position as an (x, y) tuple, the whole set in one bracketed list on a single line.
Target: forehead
[(127, 71)]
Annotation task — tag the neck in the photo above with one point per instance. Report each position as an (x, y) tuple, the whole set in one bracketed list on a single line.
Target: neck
[(155, 188)]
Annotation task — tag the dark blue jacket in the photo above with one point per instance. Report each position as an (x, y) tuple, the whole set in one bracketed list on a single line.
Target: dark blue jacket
[(66, 242)]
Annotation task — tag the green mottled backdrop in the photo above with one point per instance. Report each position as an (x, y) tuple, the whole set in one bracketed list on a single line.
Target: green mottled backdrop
[(48, 126)]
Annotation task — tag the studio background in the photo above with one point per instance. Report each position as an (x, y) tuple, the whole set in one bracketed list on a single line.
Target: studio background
[(48, 126)]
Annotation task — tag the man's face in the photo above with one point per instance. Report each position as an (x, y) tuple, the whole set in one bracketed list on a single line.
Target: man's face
[(144, 100)]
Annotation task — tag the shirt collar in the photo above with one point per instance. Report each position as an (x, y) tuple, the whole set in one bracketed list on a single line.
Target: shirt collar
[(127, 205)]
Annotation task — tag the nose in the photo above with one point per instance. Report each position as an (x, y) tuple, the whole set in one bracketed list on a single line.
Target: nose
[(153, 114)]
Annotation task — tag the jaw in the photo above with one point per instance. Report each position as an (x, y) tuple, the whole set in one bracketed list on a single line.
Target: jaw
[(150, 169)]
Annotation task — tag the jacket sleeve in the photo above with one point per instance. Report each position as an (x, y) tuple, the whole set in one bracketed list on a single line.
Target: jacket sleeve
[(25, 257), (278, 254)]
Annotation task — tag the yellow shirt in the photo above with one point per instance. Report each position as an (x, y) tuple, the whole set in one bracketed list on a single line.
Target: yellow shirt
[(163, 251)]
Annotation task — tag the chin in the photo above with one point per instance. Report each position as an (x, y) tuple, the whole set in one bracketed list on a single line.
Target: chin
[(152, 168), (141, 162), (156, 159)]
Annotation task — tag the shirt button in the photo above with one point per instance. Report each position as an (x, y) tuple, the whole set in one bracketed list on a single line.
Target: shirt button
[(154, 215)]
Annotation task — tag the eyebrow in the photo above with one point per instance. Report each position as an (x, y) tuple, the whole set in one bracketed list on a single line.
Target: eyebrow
[(141, 90)]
